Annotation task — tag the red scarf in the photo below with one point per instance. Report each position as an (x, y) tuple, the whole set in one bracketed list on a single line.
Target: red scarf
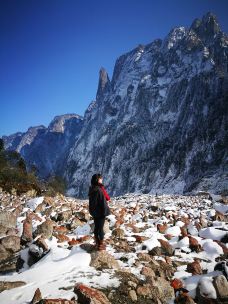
[(105, 193)]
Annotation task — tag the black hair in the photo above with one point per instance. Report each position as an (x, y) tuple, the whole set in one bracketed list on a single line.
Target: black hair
[(95, 178)]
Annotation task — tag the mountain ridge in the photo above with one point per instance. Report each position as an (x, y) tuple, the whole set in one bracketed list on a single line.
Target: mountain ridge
[(162, 115)]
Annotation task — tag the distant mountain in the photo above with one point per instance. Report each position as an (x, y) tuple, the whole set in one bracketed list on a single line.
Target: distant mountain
[(47, 148), (159, 125)]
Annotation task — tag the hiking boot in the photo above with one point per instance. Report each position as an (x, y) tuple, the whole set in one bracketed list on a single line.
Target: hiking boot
[(101, 245), (96, 242)]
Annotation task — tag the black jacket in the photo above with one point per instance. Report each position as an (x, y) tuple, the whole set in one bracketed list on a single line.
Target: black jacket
[(98, 206)]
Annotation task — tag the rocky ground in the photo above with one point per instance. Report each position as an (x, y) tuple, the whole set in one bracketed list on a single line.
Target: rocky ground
[(160, 249)]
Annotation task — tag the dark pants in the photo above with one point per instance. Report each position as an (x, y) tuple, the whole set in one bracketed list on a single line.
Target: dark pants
[(99, 227)]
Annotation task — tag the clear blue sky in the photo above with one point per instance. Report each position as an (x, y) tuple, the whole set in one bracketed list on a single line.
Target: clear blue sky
[(51, 50)]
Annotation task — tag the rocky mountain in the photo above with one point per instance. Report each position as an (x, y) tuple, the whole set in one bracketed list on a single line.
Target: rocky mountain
[(159, 125), (47, 148)]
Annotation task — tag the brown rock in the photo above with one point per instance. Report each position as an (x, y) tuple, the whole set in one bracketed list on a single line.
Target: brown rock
[(162, 269), (165, 249), (118, 233), (144, 290), (88, 247), (49, 200), (162, 227), (73, 242), (220, 217), (185, 220), (194, 268), (76, 223), (8, 219), (10, 243), (221, 286), (118, 223), (46, 228), (64, 215), (184, 231), (124, 246), (103, 260), (41, 243), (168, 260), (88, 295), (224, 248), (60, 229), (140, 238), (61, 237), (158, 289), (168, 236), (37, 297), (9, 263), (144, 257), (6, 285), (176, 284), (147, 272), (194, 244), (82, 216), (27, 230), (40, 208)]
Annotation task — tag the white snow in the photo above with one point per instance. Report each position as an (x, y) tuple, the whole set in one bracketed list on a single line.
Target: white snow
[(34, 202), (212, 249), (221, 208), (53, 271), (175, 231), (212, 233), (206, 288)]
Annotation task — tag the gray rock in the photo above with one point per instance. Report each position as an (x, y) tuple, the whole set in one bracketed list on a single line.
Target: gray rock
[(6, 285), (103, 260), (46, 229), (8, 219), (221, 286)]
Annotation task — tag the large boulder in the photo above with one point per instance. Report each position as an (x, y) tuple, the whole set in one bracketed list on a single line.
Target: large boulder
[(158, 288), (6, 285), (9, 248), (8, 219), (103, 260), (46, 229), (27, 230), (88, 295), (221, 287)]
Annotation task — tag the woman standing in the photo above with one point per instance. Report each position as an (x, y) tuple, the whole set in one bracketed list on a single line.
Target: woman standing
[(98, 208)]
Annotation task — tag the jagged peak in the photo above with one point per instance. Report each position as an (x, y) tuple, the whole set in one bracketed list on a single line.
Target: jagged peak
[(209, 17), (103, 83), (206, 27)]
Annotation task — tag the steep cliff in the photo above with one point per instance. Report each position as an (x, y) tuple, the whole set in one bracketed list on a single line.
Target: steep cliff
[(160, 124)]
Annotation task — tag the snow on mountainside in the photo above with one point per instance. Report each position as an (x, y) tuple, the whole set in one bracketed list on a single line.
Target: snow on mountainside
[(156, 245), (47, 148), (159, 125)]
